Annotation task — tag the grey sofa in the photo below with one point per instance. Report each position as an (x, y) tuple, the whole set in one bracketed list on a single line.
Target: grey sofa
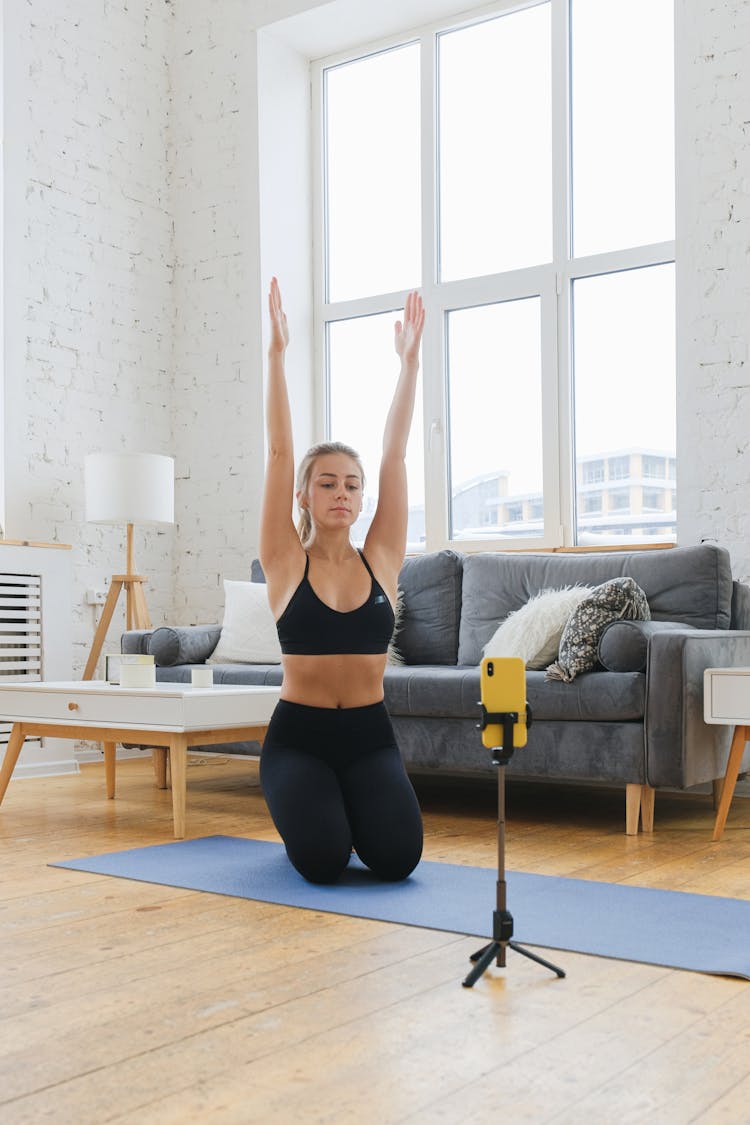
[(636, 721)]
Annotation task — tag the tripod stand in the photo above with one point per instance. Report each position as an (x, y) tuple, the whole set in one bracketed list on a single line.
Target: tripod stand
[(502, 919)]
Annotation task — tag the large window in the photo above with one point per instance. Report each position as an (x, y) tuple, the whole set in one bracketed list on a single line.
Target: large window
[(510, 168)]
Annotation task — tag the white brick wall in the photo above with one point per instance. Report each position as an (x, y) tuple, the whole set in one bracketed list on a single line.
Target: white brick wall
[(713, 275), (217, 413), (89, 309)]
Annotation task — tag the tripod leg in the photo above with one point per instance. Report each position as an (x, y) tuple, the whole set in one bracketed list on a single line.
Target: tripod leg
[(480, 952), (535, 957), (483, 959)]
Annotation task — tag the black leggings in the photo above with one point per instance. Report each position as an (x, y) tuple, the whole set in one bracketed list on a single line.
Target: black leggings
[(333, 779)]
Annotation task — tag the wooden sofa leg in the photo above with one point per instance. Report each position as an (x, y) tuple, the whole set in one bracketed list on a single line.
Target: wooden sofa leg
[(632, 809), (639, 804)]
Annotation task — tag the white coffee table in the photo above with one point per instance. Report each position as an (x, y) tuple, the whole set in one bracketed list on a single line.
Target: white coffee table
[(726, 700), (171, 716)]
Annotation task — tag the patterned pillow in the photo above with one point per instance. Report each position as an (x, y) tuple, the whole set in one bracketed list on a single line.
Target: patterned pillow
[(616, 600)]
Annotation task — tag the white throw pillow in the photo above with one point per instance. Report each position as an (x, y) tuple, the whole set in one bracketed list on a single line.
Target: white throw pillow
[(533, 632), (248, 633)]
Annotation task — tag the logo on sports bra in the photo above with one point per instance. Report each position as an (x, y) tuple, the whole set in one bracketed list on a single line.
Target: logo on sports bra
[(379, 599)]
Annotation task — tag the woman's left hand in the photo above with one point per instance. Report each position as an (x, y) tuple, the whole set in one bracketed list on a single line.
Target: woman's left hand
[(279, 327), (408, 335)]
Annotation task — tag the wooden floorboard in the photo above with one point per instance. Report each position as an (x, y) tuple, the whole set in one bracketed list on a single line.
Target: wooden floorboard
[(135, 1003)]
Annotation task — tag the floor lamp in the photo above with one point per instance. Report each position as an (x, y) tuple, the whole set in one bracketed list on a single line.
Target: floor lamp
[(126, 488)]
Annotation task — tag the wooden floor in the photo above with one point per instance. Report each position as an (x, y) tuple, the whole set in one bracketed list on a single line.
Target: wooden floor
[(126, 1002)]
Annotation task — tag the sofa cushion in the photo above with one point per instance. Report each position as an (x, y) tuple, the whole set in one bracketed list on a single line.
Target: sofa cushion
[(623, 646), (692, 585), (262, 675), (430, 589), (248, 631), (454, 693)]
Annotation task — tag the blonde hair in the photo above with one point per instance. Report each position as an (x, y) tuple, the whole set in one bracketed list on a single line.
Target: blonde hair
[(304, 472)]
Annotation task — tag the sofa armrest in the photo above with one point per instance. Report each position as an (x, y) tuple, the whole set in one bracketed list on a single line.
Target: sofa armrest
[(136, 641), (173, 644), (623, 646), (681, 749), (183, 644), (740, 605)]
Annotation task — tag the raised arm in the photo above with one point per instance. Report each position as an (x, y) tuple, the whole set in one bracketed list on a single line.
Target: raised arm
[(278, 537), (386, 539)]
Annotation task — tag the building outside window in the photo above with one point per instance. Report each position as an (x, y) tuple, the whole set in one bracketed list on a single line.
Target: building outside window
[(545, 263), (618, 500), (592, 472), (618, 468), (592, 501), (656, 499), (658, 467)]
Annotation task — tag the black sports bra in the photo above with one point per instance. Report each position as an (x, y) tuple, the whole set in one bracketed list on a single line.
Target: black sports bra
[(309, 627)]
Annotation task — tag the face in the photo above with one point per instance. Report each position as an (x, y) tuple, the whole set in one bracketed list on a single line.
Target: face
[(334, 493)]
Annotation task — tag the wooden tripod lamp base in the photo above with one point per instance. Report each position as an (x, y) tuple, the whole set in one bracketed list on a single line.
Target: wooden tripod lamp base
[(136, 614)]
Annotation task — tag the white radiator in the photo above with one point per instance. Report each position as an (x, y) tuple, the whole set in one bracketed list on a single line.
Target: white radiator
[(20, 627), (36, 640)]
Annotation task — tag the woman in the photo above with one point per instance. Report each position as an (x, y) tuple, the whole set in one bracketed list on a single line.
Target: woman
[(330, 768)]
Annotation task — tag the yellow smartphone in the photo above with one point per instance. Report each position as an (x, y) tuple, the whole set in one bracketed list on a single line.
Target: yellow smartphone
[(503, 685)]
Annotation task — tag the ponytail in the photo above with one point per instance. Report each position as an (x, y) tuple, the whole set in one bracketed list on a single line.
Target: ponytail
[(304, 527)]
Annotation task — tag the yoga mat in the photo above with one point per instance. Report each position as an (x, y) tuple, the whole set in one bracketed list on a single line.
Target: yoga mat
[(682, 931)]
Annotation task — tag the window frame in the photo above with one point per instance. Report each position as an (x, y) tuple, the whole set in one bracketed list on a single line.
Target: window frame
[(551, 282)]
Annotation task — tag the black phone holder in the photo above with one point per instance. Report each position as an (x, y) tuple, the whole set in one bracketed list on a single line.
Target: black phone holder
[(501, 755), (502, 919)]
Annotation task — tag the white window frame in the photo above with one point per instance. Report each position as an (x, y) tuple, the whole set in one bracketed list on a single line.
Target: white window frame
[(552, 283)]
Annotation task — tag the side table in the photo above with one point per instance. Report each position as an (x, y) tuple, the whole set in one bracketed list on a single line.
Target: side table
[(726, 700)]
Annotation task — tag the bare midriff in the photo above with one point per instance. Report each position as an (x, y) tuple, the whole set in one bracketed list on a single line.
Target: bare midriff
[(350, 680)]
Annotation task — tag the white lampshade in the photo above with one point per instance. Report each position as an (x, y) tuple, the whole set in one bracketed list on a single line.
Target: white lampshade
[(129, 488)]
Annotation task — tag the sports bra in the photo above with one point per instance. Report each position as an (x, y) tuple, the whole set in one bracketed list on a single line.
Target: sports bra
[(309, 627)]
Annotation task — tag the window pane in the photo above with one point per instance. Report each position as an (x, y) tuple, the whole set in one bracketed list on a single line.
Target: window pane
[(623, 123), (363, 369), (373, 174), (624, 360), (495, 403), (495, 145)]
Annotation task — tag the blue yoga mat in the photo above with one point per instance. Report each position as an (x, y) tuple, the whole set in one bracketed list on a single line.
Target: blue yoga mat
[(671, 928)]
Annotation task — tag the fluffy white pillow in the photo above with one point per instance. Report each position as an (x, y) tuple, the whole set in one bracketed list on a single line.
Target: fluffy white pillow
[(533, 632), (248, 633)]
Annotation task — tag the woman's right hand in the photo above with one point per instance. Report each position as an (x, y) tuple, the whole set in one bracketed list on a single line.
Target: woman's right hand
[(279, 327)]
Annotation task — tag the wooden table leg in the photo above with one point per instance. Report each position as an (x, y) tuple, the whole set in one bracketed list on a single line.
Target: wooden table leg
[(178, 771), (110, 762), (12, 750), (159, 762), (741, 736)]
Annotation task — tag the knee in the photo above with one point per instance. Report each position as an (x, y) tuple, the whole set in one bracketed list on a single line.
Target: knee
[(321, 865), (392, 864), (395, 870)]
